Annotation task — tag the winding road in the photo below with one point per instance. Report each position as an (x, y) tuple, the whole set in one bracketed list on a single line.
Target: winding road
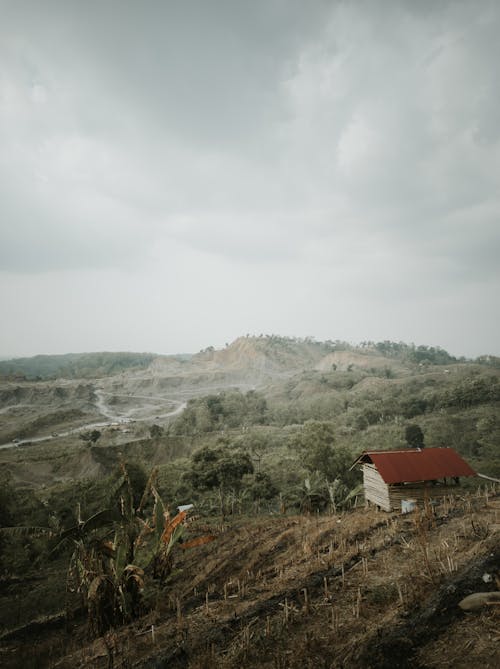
[(113, 418)]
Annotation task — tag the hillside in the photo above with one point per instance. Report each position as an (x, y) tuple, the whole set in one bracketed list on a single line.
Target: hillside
[(73, 365), (255, 358), (368, 392), (260, 436), (349, 590)]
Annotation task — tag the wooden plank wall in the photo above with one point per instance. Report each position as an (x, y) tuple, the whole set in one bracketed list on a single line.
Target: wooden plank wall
[(388, 497), (421, 493), (376, 490)]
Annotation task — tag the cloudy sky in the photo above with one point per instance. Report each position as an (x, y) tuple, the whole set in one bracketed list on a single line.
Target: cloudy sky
[(176, 174)]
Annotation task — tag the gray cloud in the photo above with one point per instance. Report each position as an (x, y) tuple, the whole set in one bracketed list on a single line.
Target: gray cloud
[(326, 157)]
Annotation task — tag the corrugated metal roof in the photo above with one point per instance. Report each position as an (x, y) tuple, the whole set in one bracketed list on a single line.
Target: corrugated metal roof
[(411, 465)]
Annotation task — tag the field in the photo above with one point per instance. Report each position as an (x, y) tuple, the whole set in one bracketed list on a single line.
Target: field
[(358, 589)]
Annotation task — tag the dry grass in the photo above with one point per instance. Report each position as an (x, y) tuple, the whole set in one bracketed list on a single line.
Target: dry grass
[(315, 591)]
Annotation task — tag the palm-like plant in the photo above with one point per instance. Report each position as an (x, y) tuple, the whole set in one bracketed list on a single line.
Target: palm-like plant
[(341, 495), (112, 550), (313, 493), (109, 586), (111, 574), (169, 533)]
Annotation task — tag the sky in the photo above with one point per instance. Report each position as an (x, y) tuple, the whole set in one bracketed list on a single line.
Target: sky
[(176, 174)]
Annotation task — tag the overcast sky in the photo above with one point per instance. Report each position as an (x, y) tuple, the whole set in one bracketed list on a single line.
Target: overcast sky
[(176, 174)]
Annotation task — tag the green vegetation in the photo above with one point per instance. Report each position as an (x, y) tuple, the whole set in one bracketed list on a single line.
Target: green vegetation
[(284, 448), (222, 411), (73, 365), (422, 355), (414, 436)]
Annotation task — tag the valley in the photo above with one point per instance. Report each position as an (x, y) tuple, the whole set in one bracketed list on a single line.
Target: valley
[(260, 437)]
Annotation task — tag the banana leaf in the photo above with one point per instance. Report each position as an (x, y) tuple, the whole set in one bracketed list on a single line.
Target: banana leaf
[(158, 514), (148, 489), (27, 531), (121, 556), (200, 541), (96, 583), (175, 537), (172, 525)]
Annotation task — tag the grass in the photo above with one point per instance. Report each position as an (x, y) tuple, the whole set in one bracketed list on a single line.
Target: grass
[(297, 590)]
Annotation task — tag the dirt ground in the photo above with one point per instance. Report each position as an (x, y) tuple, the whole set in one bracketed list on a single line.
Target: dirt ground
[(360, 589)]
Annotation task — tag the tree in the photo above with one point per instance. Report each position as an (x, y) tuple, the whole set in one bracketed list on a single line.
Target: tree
[(218, 468), (262, 487), (315, 443), (414, 436), (155, 431), (255, 444), (90, 437)]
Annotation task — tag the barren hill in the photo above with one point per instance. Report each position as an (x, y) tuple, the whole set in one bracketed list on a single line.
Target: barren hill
[(268, 355)]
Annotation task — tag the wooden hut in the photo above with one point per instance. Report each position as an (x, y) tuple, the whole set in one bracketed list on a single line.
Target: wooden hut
[(394, 480)]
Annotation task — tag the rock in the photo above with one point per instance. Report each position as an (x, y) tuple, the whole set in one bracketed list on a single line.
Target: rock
[(477, 600)]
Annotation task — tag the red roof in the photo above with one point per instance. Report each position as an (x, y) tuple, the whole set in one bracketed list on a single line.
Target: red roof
[(410, 465)]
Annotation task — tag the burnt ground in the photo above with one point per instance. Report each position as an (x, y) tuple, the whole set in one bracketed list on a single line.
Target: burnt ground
[(361, 589)]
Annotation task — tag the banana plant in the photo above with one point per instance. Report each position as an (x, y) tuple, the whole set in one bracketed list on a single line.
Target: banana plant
[(169, 533), (313, 493), (114, 548), (110, 587), (340, 495)]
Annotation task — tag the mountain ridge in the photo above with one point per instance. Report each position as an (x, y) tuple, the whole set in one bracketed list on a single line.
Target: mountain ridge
[(260, 355)]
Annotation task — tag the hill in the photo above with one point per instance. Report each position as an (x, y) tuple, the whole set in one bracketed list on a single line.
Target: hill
[(73, 365), (260, 436), (255, 358), (360, 589)]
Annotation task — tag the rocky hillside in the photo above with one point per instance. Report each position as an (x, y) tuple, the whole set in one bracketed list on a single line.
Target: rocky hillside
[(28, 408), (247, 359)]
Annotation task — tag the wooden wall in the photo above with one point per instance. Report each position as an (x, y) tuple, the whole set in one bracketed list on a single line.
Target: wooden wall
[(388, 497), (421, 492), (376, 490)]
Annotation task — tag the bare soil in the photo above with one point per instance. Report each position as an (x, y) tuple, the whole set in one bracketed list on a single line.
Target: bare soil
[(361, 589)]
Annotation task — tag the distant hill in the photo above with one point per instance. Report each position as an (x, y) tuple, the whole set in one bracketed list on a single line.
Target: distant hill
[(272, 354), (269, 353), (250, 358), (74, 365)]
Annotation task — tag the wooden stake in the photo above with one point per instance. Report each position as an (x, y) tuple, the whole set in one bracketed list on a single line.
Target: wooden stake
[(335, 620), (179, 612), (398, 586)]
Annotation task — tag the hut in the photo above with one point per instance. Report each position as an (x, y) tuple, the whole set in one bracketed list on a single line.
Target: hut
[(399, 480)]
